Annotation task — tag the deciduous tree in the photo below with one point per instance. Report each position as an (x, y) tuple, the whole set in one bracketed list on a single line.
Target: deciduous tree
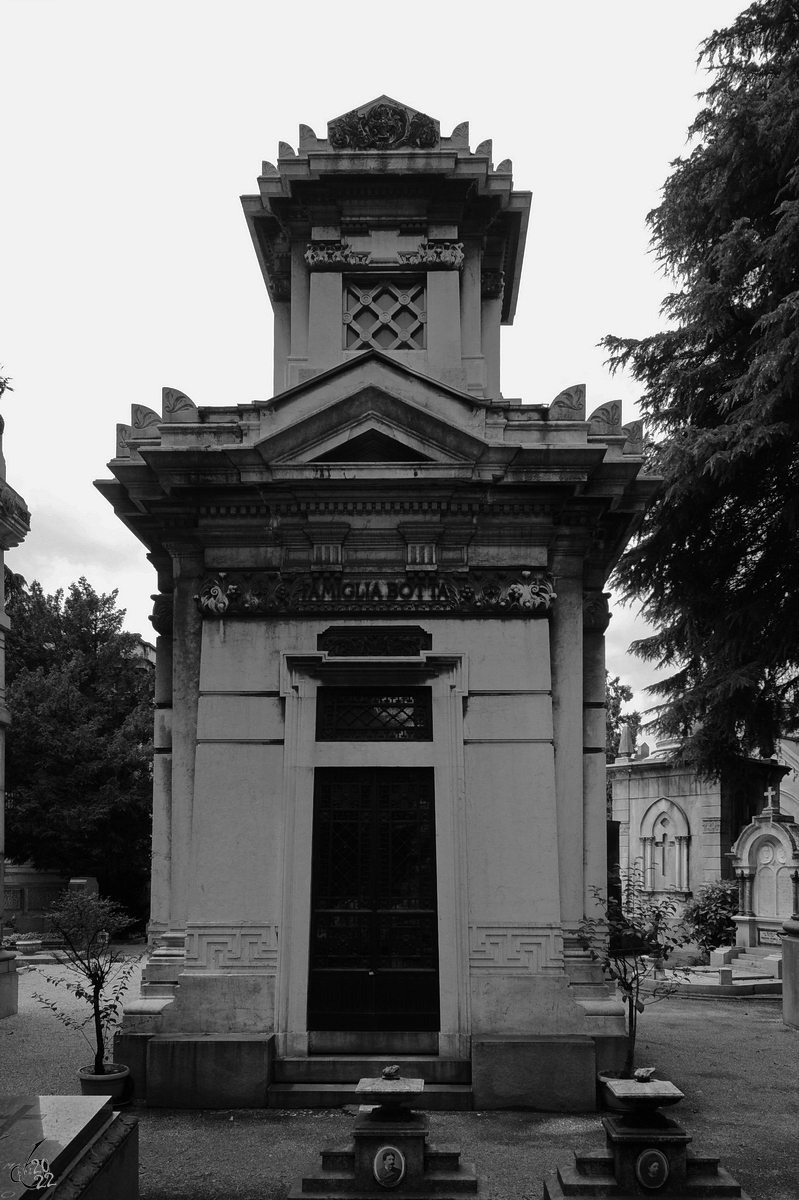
[(717, 562), (79, 747)]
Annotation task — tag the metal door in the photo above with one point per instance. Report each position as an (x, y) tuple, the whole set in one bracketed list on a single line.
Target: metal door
[(374, 940)]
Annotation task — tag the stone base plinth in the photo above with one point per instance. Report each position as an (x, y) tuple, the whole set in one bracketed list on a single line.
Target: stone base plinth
[(207, 1070), (551, 1074)]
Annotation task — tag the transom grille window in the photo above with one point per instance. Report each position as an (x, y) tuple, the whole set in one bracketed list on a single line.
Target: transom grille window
[(374, 715), (386, 314)]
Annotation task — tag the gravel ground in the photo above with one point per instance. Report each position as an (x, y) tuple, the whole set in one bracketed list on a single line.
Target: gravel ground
[(735, 1060)]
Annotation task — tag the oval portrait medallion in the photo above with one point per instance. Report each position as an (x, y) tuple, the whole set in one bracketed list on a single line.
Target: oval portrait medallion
[(652, 1169), (389, 1166)]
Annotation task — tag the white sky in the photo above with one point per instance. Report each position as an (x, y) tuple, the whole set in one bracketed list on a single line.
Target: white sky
[(130, 131)]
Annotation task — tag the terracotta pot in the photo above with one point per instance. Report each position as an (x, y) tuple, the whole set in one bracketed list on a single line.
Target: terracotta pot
[(116, 1083)]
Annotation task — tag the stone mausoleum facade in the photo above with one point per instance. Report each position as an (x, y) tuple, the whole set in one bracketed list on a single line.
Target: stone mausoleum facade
[(379, 794)]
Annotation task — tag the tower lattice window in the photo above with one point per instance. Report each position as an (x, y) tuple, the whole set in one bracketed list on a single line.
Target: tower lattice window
[(386, 314)]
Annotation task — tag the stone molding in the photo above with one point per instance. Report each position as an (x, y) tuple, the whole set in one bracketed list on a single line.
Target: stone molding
[(711, 825), (510, 592), (384, 126), (516, 949), (223, 947)]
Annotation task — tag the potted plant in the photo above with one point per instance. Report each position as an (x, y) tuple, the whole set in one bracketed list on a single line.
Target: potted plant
[(86, 924), (632, 939)]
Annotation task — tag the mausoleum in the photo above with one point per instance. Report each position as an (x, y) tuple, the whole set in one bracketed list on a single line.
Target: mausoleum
[(379, 781)]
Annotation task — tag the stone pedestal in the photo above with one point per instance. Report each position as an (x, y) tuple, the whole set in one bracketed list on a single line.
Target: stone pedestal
[(646, 1154), (68, 1145), (790, 973), (389, 1151)]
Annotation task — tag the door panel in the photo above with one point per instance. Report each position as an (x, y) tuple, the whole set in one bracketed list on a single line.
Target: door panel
[(374, 942)]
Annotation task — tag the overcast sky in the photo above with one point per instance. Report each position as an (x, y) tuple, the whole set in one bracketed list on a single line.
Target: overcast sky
[(130, 131)]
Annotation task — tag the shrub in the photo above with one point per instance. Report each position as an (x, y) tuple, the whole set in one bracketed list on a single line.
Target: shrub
[(707, 919)]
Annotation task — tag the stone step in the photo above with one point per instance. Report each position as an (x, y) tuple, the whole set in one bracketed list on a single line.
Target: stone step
[(443, 1097), (717, 1184), (442, 1158), (595, 1162), (338, 1158), (323, 1182), (326, 1182), (352, 1067), (702, 1164), (573, 1183)]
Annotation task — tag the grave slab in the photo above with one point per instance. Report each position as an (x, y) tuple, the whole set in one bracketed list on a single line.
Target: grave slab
[(75, 1145)]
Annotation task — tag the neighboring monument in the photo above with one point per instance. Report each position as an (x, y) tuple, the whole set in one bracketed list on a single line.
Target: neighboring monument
[(15, 523), (379, 793)]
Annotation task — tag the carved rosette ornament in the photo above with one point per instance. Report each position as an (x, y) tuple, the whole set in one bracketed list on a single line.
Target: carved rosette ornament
[(509, 593), (596, 611), (384, 126)]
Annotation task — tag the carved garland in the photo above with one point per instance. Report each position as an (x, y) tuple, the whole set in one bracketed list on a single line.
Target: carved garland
[(506, 593)]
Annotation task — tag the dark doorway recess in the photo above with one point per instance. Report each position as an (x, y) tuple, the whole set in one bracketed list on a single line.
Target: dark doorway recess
[(374, 940)]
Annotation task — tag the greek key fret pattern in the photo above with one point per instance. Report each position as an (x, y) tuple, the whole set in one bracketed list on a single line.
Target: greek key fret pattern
[(231, 948), (516, 949)]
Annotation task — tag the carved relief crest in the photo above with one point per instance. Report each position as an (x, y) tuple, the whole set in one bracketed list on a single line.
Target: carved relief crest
[(385, 126)]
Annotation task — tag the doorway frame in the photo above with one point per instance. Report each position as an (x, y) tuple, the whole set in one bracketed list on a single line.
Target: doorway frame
[(300, 676)]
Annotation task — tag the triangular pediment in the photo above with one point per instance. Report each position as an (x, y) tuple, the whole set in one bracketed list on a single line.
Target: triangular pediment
[(372, 410), (372, 446)]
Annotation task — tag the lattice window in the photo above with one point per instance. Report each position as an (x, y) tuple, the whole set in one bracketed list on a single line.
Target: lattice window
[(374, 715), (12, 899), (387, 314)]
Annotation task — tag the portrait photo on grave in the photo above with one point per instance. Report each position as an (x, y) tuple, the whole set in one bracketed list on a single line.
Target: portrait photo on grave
[(389, 1166)]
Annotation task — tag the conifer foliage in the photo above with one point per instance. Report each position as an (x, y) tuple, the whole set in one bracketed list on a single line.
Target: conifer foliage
[(79, 747), (717, 561)]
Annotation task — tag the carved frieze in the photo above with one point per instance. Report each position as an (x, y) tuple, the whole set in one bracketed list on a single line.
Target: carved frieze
[(434, 254), (509, 593), (515, 949), (245, 948), (335, 254), (384, 126), (492, 284)]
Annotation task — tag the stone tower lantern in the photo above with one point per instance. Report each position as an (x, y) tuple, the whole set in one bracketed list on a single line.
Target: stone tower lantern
[(379, 802)]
